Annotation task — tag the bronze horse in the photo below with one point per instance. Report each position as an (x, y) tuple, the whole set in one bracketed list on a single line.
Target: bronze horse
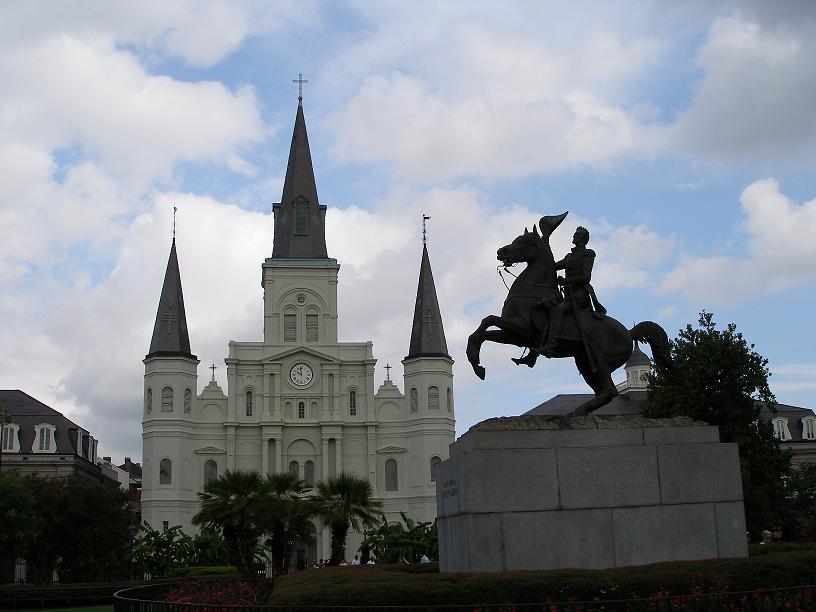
[(599, 344)]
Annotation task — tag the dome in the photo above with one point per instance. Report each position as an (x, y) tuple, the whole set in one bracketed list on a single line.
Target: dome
[(638, 359)]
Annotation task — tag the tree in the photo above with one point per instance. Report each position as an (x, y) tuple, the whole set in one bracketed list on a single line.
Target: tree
[(346, 500), (157, 552), (801, 489), (233, 505), (390, 541), (19, 523), (723, 381), (288, 518)]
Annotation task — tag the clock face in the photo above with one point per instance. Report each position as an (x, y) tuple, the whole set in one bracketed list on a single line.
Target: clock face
[(301, 374)]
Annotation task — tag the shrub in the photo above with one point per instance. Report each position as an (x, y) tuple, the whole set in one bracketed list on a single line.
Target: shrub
[(213, 570)]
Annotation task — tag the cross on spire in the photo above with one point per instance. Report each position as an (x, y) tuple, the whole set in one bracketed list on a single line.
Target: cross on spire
[(213, 367), (174, 222), (388, 372), (424, 228), (300, 81)]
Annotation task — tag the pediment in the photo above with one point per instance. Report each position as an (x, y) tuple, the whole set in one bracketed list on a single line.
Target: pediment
[(302, 350), (210, 450), (391, 450)]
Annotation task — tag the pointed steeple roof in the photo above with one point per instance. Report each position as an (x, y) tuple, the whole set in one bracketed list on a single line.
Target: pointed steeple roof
[(170, 337), (300, 230), (427, 333)]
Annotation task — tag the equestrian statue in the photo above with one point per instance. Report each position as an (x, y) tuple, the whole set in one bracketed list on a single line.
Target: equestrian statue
[(558, 316)]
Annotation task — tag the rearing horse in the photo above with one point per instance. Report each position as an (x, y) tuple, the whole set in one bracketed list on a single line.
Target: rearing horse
[(599, 345)]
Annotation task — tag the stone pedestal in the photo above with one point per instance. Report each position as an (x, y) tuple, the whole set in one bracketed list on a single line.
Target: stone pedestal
[(535, 492)]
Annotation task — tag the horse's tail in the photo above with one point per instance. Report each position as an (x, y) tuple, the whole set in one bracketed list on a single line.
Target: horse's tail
[(655, 336)]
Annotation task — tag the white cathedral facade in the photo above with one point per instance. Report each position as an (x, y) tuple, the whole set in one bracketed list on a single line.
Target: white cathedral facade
[(298, 400)]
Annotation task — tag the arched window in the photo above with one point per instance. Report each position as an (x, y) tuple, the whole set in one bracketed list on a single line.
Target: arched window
[(188, 401), (450, 400), (165, 472), (249, 402), (294, 468), (433, 398), (434, 462), (301, 217), (353, 402), (311, 327), (391, 479), (149, 401), (289, 327), (414, 401), (308, 474), (301, 410), (210, 470), (167, 399)]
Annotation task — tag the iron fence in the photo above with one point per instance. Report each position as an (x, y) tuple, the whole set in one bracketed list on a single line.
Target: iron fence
[(803, 598)]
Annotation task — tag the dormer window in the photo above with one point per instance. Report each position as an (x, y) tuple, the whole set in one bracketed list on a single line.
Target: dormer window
[(45, 439), (11, 438), (301, 216), (780, 427), (809, 428)]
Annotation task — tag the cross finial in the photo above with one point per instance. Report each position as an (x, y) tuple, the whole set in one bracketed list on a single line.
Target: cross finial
[(424, 228), (300, 81), (388, 372), (174, 222), (213, 367)]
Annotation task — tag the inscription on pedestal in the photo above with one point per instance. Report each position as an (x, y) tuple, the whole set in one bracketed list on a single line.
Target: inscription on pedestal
[(449, 488), (587, 480)]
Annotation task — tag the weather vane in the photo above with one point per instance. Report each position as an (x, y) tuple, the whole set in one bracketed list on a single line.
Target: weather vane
[(300, 81), (424, 228), (174, 222)]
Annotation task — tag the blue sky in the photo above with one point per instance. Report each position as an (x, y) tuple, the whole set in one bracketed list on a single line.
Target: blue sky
[(681, 134)]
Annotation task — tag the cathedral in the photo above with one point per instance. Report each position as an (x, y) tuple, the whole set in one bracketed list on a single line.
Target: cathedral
[(299, 400)]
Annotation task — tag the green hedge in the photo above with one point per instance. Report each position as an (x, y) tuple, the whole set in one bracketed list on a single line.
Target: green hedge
[(214, 570), (379, 585)]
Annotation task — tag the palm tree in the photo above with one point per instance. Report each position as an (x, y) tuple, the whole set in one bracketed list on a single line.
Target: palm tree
[(346, 500), (233, 504), (288, 518)]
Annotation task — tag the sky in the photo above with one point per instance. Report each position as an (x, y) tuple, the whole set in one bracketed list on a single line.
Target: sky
[(682, 135)]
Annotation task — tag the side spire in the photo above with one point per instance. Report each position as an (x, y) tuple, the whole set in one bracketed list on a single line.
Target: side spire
[(170, 337), (427, 332), (300, 230)]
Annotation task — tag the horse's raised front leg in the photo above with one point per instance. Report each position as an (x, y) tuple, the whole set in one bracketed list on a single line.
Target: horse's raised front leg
[(507, 328)]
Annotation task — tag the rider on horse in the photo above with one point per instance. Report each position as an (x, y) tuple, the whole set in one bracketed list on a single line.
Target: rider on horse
[(578, 291)]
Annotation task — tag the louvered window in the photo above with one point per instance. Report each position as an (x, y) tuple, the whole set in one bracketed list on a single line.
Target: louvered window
[(210, 470), (149, 401), (308, 474), (353, 403), (414, 401), (301, 410), (301, 217), (433, 398), (311, 328), (167, 399), (435, 461), (188, 401), (294, 468), (165, 472), (289, 327), (391, 477), (249, 402), (450, 400)]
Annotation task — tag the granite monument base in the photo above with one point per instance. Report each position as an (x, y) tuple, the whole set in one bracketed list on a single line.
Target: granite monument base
[(535, 492)]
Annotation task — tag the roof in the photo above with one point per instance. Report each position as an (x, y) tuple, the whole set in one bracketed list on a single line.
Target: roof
[(427, 332), (28, 412), (170, 336), (299, 185), (638, 358)]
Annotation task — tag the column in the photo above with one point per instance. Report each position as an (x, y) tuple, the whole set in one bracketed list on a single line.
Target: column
[(372, 456), (338, 449), (264, 455), (279, 454), (324, 460)]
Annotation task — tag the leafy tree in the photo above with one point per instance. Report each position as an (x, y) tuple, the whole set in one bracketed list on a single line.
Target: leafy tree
[(723, 381), (19, 523), (801, 495), (209, 549), (157, 552), (233, 504), (409, 538), (288, 518), (346, 500)]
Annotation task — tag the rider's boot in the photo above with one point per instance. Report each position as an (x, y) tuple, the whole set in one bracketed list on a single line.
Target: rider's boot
[(556, 317), (529, 359)]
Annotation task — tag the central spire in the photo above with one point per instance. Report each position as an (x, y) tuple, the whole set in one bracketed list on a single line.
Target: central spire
[(300, 230)]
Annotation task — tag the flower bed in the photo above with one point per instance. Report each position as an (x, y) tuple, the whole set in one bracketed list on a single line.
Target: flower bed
[(228, 592)]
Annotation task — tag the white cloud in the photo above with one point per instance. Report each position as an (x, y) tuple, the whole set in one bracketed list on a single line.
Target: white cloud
[(756, 92), (779, 252)]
